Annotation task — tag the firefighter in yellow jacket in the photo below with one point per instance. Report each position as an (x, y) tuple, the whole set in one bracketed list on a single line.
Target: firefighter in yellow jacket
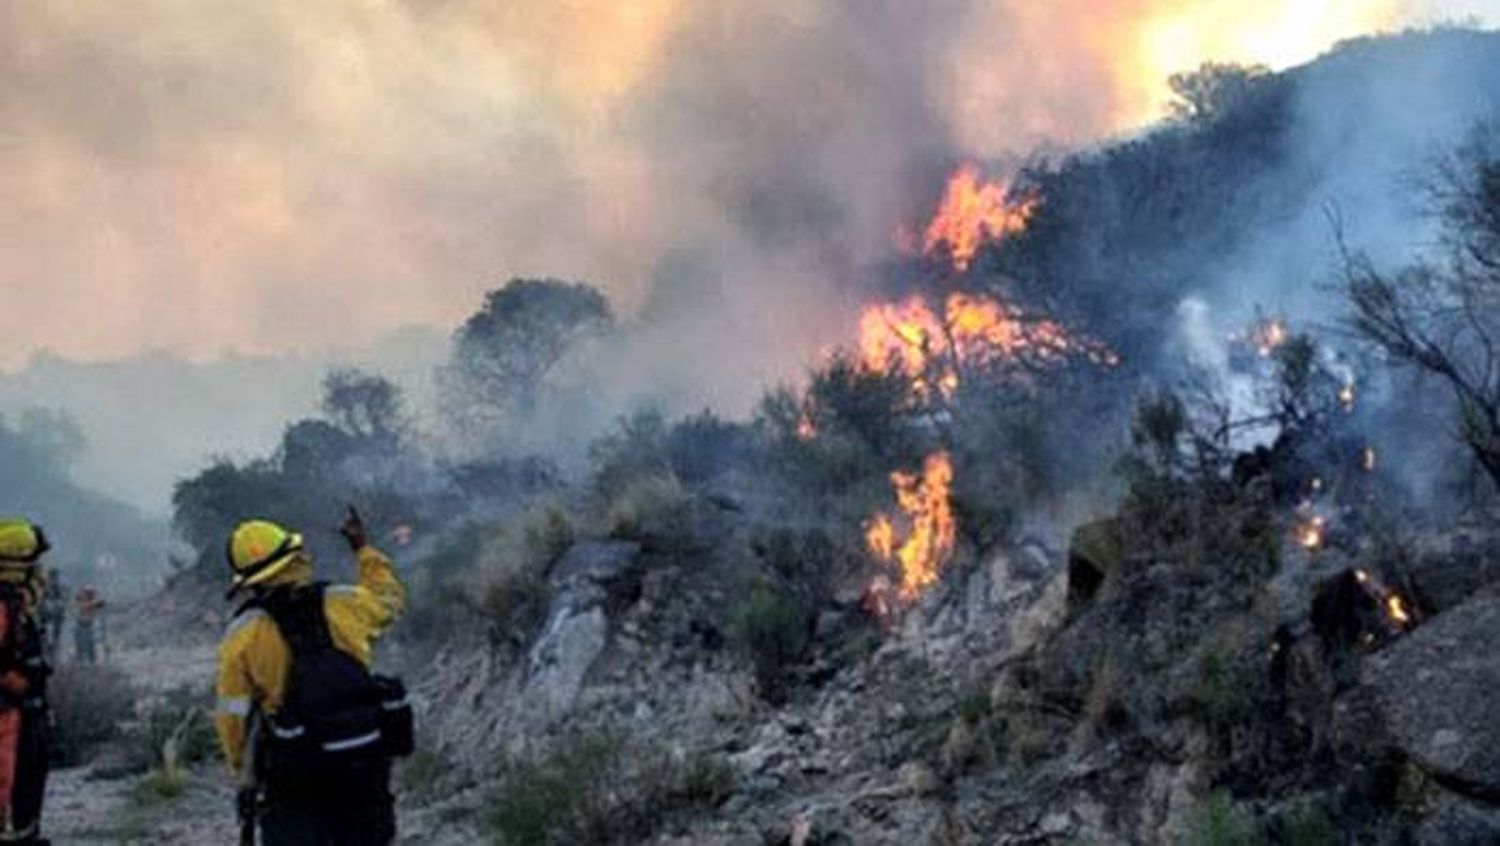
[(318, 786), (23, 684)]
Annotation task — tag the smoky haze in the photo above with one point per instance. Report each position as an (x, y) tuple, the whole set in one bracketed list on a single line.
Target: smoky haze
[(277, 182)]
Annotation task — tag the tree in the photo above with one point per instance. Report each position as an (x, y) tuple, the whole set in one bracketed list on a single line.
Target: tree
[(1213, 90), (1442, 315), (362, 404), (52, 434), (504, 352)]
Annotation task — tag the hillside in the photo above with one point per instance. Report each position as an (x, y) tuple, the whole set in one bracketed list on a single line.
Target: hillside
[(1107, 554)]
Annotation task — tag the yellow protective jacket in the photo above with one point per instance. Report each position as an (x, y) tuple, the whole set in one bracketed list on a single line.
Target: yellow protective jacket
[(254, 660)]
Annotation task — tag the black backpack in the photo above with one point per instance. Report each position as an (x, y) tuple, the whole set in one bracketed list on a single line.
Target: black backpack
[(335, 714)]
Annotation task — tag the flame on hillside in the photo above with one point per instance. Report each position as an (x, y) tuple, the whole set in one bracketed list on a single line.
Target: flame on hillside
[(920, 537), (972, 213), (934, 348), (1310, 531), (1269, 336), (1393, 606)]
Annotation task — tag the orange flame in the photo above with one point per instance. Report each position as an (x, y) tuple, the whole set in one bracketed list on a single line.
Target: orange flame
[(973, 212), (927, 513), (880, 536), (1309, 532), (1395, 608), (807, 429), (1268, 336), (1390, 601), (912, 339)]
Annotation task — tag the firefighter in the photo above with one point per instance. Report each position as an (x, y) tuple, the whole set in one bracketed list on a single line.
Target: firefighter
[(23, 683), (54, 612), (294, 674), (86, 608)]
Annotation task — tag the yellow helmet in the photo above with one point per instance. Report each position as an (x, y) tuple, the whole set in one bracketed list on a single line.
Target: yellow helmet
[(21, 542), (259, 550)]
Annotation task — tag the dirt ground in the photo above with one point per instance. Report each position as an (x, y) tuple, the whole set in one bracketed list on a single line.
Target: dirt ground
[(89, 806)]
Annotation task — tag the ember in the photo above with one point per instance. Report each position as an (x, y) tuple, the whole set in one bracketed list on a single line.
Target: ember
[(1310, 530), (1395, 608), (1346, 395), (806, 428), (1392, 604), (1270, 335)]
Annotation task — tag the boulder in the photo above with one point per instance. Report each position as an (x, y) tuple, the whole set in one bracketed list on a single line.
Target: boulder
[(1460, 824), (564, 654), (1448, 572), (1094, 554), (601, 562), (1438, 690)]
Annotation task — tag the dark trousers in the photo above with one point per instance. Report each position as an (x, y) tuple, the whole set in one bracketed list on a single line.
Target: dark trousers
[(357, 811), (31, 775)]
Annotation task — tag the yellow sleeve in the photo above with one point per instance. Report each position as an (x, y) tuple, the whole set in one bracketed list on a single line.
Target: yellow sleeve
[(236, 691), (253, 664), (379, 592), (361, 612)]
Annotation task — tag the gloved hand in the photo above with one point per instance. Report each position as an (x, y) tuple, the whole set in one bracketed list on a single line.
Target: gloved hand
[(244, 803), (354, 531)]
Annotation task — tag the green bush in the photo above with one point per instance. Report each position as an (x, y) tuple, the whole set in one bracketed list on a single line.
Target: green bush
[(638, 447), (596, 789), (974, 706), (704, 780), (558, 798), (1307, 826), (160, 786), (1221, 691), (511, 569), (90, 708), (652, 509), (1220, 822), (173, 731), (774, 630)]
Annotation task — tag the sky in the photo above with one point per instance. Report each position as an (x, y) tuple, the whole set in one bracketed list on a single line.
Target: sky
[(204, 176)]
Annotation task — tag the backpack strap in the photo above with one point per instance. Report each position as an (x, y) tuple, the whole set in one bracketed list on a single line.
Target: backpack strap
[(15, 622), (299, 617)]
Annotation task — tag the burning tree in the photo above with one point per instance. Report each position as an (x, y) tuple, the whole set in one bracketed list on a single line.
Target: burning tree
[(973, 212), (1442, 316)]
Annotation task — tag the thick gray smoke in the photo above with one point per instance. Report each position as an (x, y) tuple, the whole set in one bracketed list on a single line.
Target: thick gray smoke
[(733, 189), (1368, 127)]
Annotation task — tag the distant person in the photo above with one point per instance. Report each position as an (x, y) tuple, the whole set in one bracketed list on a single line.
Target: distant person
[(23, 684), (86, 608), (294, 675), (54, 613)]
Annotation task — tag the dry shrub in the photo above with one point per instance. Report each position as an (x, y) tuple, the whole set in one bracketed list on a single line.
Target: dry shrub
[(1100, 705), (510, 569), (600, 789), (172, 732), (774, 630), (90, 707), (652, 509)]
